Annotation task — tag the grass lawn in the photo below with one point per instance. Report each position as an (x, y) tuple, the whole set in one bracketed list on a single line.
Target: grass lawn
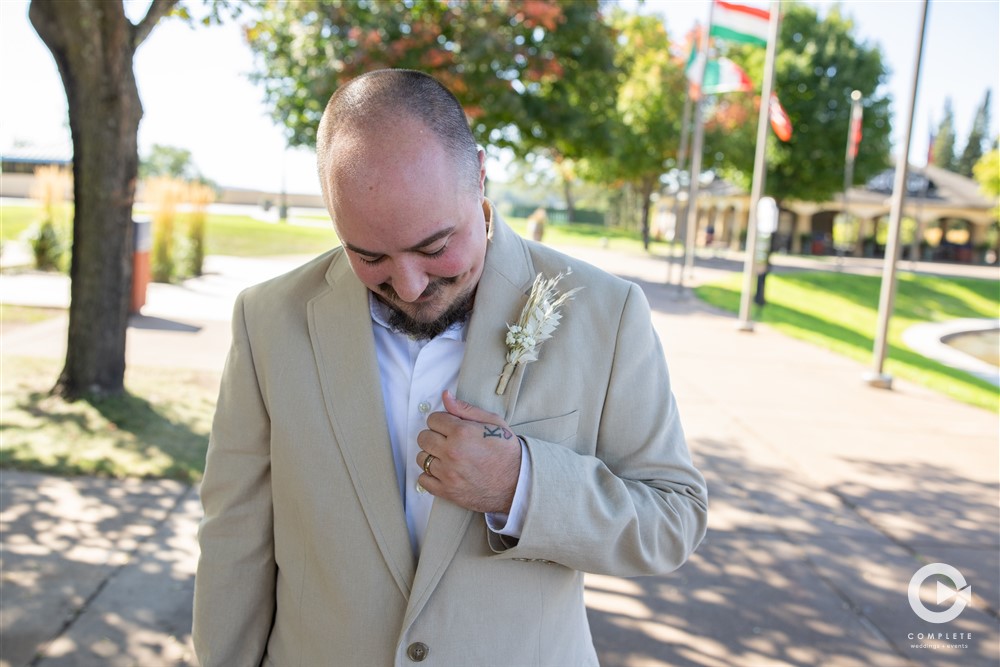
[(577, 234), (839, 312), (243, 236), (160, 429), (14, 220), (12, 317)]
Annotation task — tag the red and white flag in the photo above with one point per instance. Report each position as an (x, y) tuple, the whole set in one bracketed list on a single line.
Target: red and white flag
[(739, 23), (780, 122), (855, 135)]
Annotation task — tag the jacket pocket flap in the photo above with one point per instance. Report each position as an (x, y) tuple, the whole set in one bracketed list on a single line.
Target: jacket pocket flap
[(551, 429)]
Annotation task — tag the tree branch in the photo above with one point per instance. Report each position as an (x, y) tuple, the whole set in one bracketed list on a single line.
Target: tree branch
[(44, 17), (157, 10)]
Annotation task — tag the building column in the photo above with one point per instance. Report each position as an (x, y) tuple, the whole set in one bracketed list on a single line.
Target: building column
[(859, 245), (741, 221), (803, 224)]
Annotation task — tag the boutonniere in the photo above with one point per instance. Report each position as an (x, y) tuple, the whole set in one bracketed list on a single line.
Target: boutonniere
[(539, 319)]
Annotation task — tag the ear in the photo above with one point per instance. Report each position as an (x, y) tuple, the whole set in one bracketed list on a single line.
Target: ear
[(482, 173)]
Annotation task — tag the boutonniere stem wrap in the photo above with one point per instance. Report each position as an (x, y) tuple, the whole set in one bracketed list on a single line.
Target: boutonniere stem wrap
[(539, 319)]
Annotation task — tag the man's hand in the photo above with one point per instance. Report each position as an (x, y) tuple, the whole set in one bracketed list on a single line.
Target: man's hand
[(477, 458)]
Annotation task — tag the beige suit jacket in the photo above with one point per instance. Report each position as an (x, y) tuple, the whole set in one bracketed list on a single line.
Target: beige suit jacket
[(306, 559)]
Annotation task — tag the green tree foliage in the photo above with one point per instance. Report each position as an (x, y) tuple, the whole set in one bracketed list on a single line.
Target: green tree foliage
[(943, 151), (650, 100), (819, 63), (169, 161), (173, 162), (529, 73), (987, 174), (978, 136)]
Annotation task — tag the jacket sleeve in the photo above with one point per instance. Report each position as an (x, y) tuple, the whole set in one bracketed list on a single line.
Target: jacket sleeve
[(235, 582), (636, 505)]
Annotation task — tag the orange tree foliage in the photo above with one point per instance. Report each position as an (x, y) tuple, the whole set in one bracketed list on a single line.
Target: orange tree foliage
[(530, 73)]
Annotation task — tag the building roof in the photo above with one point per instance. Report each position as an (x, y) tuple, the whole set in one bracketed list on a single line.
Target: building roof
[(55, 153), (930, 184)]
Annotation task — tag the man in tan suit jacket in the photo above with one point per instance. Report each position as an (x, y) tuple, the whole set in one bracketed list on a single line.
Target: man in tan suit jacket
[(307, 558)]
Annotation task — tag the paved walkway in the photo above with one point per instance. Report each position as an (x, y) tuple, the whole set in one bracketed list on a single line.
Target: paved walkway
[(827, 495)]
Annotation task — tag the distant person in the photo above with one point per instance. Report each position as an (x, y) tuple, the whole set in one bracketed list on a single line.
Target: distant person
[(536, 224), (374, 493)]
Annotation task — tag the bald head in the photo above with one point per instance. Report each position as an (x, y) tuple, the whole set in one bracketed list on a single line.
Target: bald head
[(367, 107)]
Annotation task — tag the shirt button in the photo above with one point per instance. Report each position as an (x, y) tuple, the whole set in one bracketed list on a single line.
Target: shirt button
[(424, 407), (417, 651)]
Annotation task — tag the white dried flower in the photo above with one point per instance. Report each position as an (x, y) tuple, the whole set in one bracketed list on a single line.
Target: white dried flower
[(539, 319)]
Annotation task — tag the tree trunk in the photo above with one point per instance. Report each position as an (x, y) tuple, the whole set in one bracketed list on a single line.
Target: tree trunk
[(568, 196), (93, 44), (648, 184)]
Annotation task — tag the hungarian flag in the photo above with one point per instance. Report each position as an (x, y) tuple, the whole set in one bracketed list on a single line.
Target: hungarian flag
[(855, 135), (739, 23), (780, 122), (722, 75)]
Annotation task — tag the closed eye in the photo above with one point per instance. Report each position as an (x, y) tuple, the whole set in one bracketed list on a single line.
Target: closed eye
[(435, 253), (373, 261)]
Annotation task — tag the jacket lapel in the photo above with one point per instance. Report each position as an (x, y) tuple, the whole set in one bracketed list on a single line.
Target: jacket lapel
[(502, 292), (507, 277), (342, 341)]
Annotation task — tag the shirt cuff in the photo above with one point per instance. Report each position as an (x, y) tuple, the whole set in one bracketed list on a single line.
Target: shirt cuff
[(511, 524)]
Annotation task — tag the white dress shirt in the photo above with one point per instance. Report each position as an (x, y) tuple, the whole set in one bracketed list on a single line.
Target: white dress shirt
[(414, 373)]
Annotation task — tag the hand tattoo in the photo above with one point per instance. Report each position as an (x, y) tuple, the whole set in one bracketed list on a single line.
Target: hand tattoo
[(496, 432)]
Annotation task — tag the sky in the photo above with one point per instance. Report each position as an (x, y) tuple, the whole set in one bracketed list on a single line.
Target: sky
[(196, 93)]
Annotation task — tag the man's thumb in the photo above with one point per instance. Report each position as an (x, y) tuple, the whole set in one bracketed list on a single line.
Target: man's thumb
[(467, 411)]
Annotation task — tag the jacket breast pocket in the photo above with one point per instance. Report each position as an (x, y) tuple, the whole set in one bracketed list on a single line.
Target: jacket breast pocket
[(559, 430)]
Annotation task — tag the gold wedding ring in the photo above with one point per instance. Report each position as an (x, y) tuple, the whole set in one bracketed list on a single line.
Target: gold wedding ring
[(427, 463)]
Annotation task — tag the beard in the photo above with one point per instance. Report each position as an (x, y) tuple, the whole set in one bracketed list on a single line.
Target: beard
[(458, 311)]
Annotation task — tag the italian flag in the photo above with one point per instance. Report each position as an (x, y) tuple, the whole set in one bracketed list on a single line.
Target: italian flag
[(722, 75), (739, 23)]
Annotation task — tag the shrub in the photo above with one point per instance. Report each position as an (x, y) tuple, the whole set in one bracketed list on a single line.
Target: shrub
[(48, 243), (200, 196), (46, 246), (164, 194), (177, 255)]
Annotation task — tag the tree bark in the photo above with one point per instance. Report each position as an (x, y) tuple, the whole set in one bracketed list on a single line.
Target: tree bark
[(648, 183), (93, 44), (568, 196)]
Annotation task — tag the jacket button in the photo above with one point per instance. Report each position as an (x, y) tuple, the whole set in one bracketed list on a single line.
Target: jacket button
[(417, 651)]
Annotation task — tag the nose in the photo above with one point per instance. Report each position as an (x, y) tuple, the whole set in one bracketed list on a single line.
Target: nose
[(409, 281)]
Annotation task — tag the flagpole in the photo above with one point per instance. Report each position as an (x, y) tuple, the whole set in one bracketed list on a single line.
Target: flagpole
[(759, 169), (681, 161), (696, 150), (849, 156), (877, 377)]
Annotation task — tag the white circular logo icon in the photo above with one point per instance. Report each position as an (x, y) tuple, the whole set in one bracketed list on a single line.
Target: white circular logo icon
[(962, 593)]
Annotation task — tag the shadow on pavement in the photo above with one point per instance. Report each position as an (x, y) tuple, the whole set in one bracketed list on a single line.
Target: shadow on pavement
[(789, 575), (66, 545), (160, 324)]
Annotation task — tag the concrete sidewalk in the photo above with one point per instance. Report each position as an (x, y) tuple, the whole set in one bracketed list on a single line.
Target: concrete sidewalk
[(827, 496)]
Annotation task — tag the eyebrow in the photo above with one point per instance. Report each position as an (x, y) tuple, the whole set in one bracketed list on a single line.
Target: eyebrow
[(436, 236)]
